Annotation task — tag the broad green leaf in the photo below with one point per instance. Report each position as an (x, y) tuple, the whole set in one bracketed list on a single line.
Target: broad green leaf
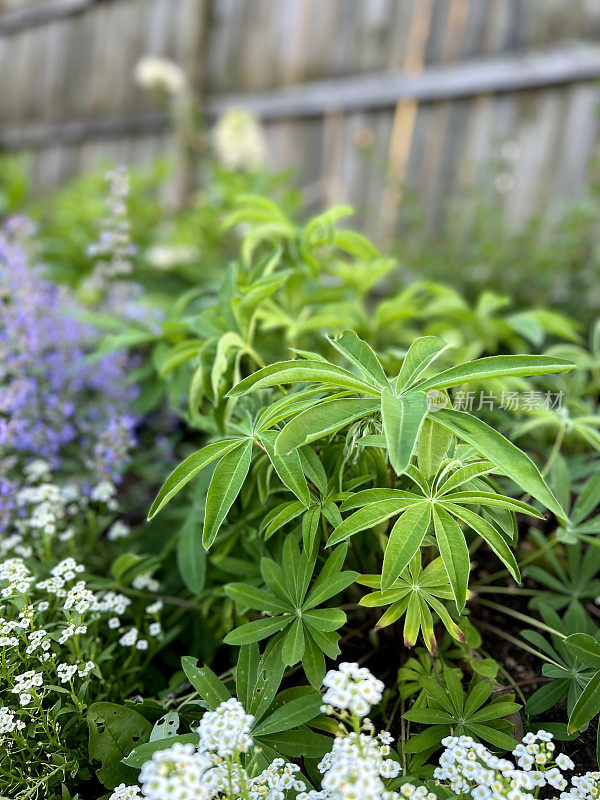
[(454, 552), (288, 466), (370, 496), (331, 580), (405, 540), (275, 579), (252, 597), (205, 682), (113, 733), (402, 419), (420, 354), (302, 371), (587, 707), (280, 516), (367, 517), (511, 461), (496, 367), (321, 420), (184, 473), (224, 487), (359, 353)]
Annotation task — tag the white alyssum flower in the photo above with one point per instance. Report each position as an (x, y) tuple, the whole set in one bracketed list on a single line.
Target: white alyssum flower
[(9, 721), (227, 729), (176, 772), (352, 687), (124, 792)]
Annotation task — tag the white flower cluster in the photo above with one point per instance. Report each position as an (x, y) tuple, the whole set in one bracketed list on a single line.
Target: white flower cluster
[(583, 787), (356, 766), (226, 730), (355, 769), (239, 141), (470, 768), (8, 721), (353, 688)]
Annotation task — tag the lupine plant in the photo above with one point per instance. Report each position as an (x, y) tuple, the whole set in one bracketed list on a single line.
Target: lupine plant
[(344, 488)]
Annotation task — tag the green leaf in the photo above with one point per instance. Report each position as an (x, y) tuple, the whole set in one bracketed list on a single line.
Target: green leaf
[(326, 620), (251, 597), (114, 731), (432, 446), (492, 536), (313, 661), (405, 540), (293, 713), (359, 353), (288, 466), (321, 420), (184, 473), (367, 517), (419, 356), (257, 630), (402, 419), (246, 673), (496, 367), (143, 752), (514, 463), (302, 371), (585, 648), (205, 682), (454, 552), (293, 644), (464, 475), (191, 556), (587, 707), (224, 487)]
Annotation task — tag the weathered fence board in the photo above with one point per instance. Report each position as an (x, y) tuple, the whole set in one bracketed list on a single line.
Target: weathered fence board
[(362, 97)]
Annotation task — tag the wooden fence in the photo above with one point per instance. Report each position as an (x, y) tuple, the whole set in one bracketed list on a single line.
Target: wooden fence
[(367, 99)]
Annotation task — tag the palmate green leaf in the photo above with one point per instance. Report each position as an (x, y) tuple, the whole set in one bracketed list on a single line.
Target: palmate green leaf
[(224, 487), (359, 353), (275, 579), (192, 465), (496, 367), (405, 539), (325, 620), (321, 420), (280, 516), (419, 356), (511, 461), (402, 419), (370, 496), (301, 371), (454, 552), (288, 466), (587, 707), (368, 517), (331, 580)]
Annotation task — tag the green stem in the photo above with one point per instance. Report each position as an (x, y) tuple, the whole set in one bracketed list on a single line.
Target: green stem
[(521, 617)]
